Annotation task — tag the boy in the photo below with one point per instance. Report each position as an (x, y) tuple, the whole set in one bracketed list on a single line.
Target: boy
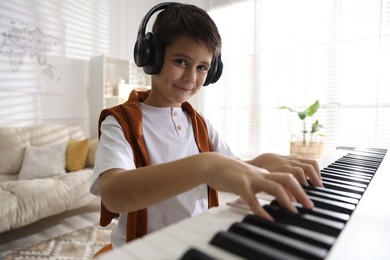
[(162, 161)]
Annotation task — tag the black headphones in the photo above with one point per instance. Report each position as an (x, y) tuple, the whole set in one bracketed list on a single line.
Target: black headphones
[(149, 50)]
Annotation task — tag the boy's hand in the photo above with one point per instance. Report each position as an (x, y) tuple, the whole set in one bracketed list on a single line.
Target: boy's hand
[(246, 181), (302, 169)]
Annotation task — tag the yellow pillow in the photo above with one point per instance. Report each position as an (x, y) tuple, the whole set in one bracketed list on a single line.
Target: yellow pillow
[(92, 152), (76, 155)]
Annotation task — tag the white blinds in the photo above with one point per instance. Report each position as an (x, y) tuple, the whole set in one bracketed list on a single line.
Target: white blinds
[(44, 46), (292, 53)]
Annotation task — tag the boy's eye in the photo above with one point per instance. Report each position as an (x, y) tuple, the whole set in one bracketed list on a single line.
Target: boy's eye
[(181, 62), (202, 68)]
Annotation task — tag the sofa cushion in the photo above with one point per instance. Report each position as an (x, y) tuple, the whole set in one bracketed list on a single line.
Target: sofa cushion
[(76, 154), (12, 144), (13, 141), (92, 152), (26, 201), (9, 208), (10, 161), (43, 161)]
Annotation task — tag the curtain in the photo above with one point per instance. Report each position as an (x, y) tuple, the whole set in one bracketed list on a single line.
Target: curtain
[(291, 53)]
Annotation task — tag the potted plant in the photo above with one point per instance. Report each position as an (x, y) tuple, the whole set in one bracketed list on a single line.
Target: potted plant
[(309, 149)]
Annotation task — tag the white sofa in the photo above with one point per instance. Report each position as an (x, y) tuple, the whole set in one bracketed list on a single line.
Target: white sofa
[(44, 170)]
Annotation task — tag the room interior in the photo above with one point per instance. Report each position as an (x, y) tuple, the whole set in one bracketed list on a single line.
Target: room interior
[(48, 74), (64, 61)]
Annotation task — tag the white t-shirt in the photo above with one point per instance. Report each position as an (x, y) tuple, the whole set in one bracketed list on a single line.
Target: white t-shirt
[(168, 136)]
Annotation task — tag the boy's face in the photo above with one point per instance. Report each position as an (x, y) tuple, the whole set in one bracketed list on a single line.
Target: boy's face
[(184, 71)]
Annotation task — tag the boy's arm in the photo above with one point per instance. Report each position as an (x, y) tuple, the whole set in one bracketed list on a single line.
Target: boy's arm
[(126, 191)]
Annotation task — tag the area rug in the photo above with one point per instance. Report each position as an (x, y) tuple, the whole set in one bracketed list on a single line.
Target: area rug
[(77, 245)]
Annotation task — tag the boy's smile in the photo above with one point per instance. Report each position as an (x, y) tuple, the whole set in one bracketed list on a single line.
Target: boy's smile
[(186, 63)]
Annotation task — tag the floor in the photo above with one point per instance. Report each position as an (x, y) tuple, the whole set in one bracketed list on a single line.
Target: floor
[(62, 224)]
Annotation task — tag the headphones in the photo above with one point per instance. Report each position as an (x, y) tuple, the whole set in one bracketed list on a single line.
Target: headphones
[(149, 50)]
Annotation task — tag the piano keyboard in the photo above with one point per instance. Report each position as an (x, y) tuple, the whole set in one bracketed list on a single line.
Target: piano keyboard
[(340, 226)]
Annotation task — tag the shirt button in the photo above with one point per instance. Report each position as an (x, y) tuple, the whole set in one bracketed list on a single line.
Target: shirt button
[(178, 127), (175, 113)]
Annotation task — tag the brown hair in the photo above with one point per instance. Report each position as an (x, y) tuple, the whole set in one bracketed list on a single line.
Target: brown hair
[(187, 20)]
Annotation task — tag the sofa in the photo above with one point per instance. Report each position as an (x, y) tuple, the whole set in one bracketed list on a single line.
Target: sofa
[(44, 170)]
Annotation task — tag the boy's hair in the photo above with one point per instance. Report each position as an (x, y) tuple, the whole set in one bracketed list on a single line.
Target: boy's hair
[(187, 20)]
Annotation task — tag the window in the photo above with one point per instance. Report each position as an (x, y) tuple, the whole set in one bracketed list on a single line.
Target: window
[(293, 53), (44, 49)]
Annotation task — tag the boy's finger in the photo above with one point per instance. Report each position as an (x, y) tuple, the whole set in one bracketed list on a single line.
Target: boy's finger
[(252, 202), (289, 183)]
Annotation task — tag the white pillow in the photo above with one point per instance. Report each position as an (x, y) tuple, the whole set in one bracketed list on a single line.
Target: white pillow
[(43, 161)]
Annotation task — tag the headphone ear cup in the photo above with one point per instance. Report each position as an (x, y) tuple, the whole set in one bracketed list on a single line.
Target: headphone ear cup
[(215, 71), (141, 51), (156, 57), (219, 70)]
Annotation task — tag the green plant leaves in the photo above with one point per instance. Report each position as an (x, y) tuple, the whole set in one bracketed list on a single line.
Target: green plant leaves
[(312, 109), (315, 127), (302, 115)]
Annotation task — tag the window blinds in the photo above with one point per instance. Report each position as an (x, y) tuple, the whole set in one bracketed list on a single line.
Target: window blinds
[(42, 48), (292, 53)]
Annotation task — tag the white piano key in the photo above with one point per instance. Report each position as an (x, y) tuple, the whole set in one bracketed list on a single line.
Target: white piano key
[(240, 204), (195, 240), (209, 223), (183, 234), (141, 249), (171, 247), (117, 255), (216, 252)]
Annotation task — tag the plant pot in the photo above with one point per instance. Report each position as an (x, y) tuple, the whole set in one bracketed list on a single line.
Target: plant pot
[(310, 150)]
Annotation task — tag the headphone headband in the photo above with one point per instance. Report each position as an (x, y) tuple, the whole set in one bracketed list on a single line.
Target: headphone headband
[(145, 20)]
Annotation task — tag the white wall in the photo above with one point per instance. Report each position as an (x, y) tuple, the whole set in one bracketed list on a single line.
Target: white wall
[(126, 16), (28, 96)]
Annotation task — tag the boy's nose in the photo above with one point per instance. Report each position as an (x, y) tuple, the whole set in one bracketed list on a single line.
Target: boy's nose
[(189, 75)]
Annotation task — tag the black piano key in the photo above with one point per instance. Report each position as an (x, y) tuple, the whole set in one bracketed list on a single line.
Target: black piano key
[(279, 241), (350, 161), (327, 195), (371, 150), (346, 176), (371, 166), (351, 172), (352, 168), (364, 166), (195, 254), (349, 183), (302, 234), (333, 191), (368, 155), (326, 226), (342, 187), (343, 177), (332, 205), (363, 158), (320, 212), (325, 213), (247, 248), (348, 173)]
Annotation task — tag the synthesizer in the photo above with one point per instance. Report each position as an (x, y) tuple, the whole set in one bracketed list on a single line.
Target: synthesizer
[(350, 220)]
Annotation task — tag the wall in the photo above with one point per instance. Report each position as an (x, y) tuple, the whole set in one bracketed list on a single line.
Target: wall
[(45, 49)]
